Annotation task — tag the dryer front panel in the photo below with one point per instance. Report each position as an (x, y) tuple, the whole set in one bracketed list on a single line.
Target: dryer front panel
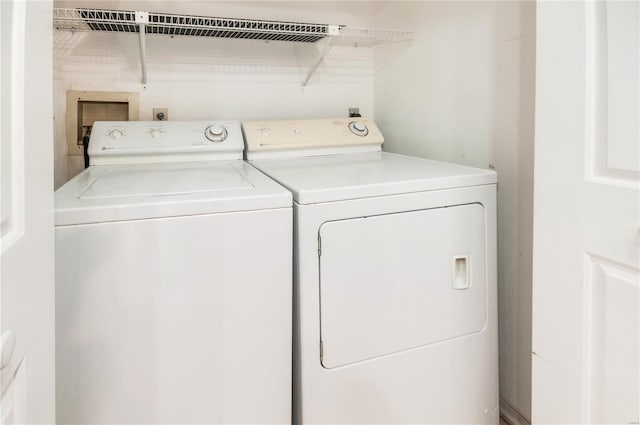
[(400, 281)]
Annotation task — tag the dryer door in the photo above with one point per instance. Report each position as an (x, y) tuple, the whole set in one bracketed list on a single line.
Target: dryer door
[(400, 281)]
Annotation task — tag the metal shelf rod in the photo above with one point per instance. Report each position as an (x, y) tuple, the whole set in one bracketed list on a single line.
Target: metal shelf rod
[(142, 18)]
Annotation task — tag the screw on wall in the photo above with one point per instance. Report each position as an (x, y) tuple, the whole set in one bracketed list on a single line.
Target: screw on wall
[(160, 114)]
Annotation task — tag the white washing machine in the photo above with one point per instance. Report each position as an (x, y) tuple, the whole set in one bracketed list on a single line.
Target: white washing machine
[(173, 281), (395, 315)]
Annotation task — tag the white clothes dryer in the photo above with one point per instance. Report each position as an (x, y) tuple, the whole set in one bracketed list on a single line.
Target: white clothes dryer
[(173, 281), (395, 298)]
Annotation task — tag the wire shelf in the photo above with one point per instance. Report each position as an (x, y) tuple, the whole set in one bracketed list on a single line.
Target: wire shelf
[(371, 37), (143, 23), (187, 25), (202, 26), (94, 19), (71, 19)]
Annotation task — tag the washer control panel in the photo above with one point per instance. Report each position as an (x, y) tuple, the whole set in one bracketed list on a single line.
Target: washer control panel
[(114, 142), (308, 134)]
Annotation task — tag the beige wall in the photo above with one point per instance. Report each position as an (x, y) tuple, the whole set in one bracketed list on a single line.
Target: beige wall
[(464, 92)]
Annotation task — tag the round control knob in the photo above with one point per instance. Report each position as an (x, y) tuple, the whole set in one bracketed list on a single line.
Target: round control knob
[(215, 133), (115, 133), (358, 128)]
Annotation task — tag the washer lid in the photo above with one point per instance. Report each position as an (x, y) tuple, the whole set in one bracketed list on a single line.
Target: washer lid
[(353, 176), (165, 179), (131, 192)]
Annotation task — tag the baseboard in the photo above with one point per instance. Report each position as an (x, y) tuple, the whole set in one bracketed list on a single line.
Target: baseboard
[(511, 415)]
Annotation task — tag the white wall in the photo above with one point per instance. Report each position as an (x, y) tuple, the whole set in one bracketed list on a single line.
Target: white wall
[(464, 92), (200, 78)]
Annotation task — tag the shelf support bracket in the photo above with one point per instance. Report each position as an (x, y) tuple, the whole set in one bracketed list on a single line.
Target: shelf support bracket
[(333, 31), (142, 19)]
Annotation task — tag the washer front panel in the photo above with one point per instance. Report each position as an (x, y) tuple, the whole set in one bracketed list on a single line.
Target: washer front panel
[(165, 321)]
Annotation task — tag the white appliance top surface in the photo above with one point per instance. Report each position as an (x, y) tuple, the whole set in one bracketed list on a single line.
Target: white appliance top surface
[(127, 192), (352, 176)]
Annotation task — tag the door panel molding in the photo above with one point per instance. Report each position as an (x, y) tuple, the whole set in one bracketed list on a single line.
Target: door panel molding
[(13, 172), (12, 399), (611, 340), (609, 107)]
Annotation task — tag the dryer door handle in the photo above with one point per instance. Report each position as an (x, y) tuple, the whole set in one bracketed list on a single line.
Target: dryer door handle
[(461, 275)]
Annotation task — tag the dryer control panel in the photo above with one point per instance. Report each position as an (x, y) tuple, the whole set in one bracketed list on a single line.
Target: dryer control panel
[(314, 135), (127, 142)]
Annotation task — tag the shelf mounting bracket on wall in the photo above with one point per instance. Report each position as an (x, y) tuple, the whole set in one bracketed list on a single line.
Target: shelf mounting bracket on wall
[(333, 30), (142, 19)]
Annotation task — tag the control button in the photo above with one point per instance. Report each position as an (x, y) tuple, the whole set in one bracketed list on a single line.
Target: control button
[(215, 133), (155, 132), (115, 133), (297, 131), (358, 128), (266, 132)]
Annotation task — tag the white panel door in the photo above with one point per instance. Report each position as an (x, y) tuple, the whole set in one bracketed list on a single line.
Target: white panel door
[(586, 323), (26, 158)]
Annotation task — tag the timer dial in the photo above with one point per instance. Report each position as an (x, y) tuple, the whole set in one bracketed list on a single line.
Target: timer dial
[(115, 133), (358, 128), (215, 133)]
